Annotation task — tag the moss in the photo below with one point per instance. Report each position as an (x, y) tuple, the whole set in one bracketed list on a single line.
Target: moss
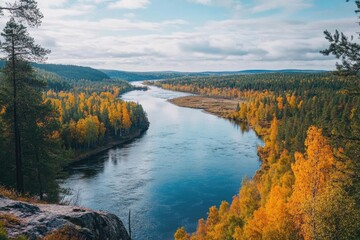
[(4, 235)]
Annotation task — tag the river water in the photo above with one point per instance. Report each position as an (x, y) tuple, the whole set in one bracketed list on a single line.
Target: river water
[(185, 163)]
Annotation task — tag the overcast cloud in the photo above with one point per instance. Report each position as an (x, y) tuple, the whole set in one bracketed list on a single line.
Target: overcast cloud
[(191, 35)]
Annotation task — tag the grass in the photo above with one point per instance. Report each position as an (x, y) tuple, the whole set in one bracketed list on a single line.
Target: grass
[(4, 235), (12, 194), (9, 220), (217, 106), (66, 233)]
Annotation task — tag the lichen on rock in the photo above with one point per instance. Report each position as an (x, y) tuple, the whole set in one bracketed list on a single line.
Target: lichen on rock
[(50, 221)]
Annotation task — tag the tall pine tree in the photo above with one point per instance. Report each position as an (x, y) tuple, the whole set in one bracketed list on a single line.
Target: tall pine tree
[(19, 47), (32, 125)]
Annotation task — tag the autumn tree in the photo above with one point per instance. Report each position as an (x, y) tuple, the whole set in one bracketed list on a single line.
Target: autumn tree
[(181, 234), (90, 118), (201, 230), (249, 198), (273, 220), (213, 219), (126, 122), (318, 175)]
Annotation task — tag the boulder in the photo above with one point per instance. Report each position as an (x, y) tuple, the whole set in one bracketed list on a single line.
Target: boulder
[(36, 221)]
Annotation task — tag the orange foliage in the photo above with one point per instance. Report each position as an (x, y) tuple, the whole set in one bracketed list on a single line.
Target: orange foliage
[(87, 118), (314, 172)]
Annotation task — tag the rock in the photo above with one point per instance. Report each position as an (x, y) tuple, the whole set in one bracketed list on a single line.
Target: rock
[(39, 220)]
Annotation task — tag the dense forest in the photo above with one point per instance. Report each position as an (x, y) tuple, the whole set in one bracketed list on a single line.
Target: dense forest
[(81, 115), (144, 76), (71, 72), (49, 117), (308, 183), (140, 76)]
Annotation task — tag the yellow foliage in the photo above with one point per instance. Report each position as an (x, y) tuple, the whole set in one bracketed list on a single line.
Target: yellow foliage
[(315, 173), (254, 228), (280, 102), (126, 122), (249, 199), (181, 234)]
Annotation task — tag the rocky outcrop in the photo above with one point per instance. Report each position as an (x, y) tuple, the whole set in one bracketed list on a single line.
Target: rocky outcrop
[(39, 220)]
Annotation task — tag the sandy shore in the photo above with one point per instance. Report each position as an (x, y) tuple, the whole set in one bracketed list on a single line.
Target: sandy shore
[(217, 106)]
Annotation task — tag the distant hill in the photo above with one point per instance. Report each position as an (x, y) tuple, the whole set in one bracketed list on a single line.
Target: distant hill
[(140, 76), (259, 71), (70, 72), (73, 72)]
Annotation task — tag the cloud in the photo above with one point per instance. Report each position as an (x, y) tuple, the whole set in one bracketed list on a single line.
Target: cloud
[(217, 46), (205, 2), (229, 48), (204, 47), (87, 32), (255, 6), (53, 3), (266, 5), (222, 45), (223, 3), (129, 4)]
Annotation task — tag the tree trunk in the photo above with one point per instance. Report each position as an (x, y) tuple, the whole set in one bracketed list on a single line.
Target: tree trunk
[(41, 191), (19, 173)]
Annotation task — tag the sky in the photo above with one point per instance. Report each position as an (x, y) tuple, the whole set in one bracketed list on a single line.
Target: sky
[(191, 35)]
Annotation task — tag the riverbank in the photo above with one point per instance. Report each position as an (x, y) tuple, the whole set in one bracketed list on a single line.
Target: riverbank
[(180, 151), (81, 156), (218, 106)]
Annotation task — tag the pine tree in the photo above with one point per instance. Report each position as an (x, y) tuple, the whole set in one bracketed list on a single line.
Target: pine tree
[(344, 49), (24, 10), (19, 48)]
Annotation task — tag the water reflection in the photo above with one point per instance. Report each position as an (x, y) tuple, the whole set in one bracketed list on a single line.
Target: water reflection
[(244, 127), (185, 163)]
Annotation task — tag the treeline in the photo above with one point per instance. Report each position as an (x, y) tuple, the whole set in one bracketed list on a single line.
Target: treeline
[(275, 82), (146, 76), (141, 76), (308, 183), (73, 72)]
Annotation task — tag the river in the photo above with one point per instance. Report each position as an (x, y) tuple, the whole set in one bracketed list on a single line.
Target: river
[(185, 163)]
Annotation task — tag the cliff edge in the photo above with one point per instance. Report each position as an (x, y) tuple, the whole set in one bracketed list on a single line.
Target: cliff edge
[(50, 221)]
